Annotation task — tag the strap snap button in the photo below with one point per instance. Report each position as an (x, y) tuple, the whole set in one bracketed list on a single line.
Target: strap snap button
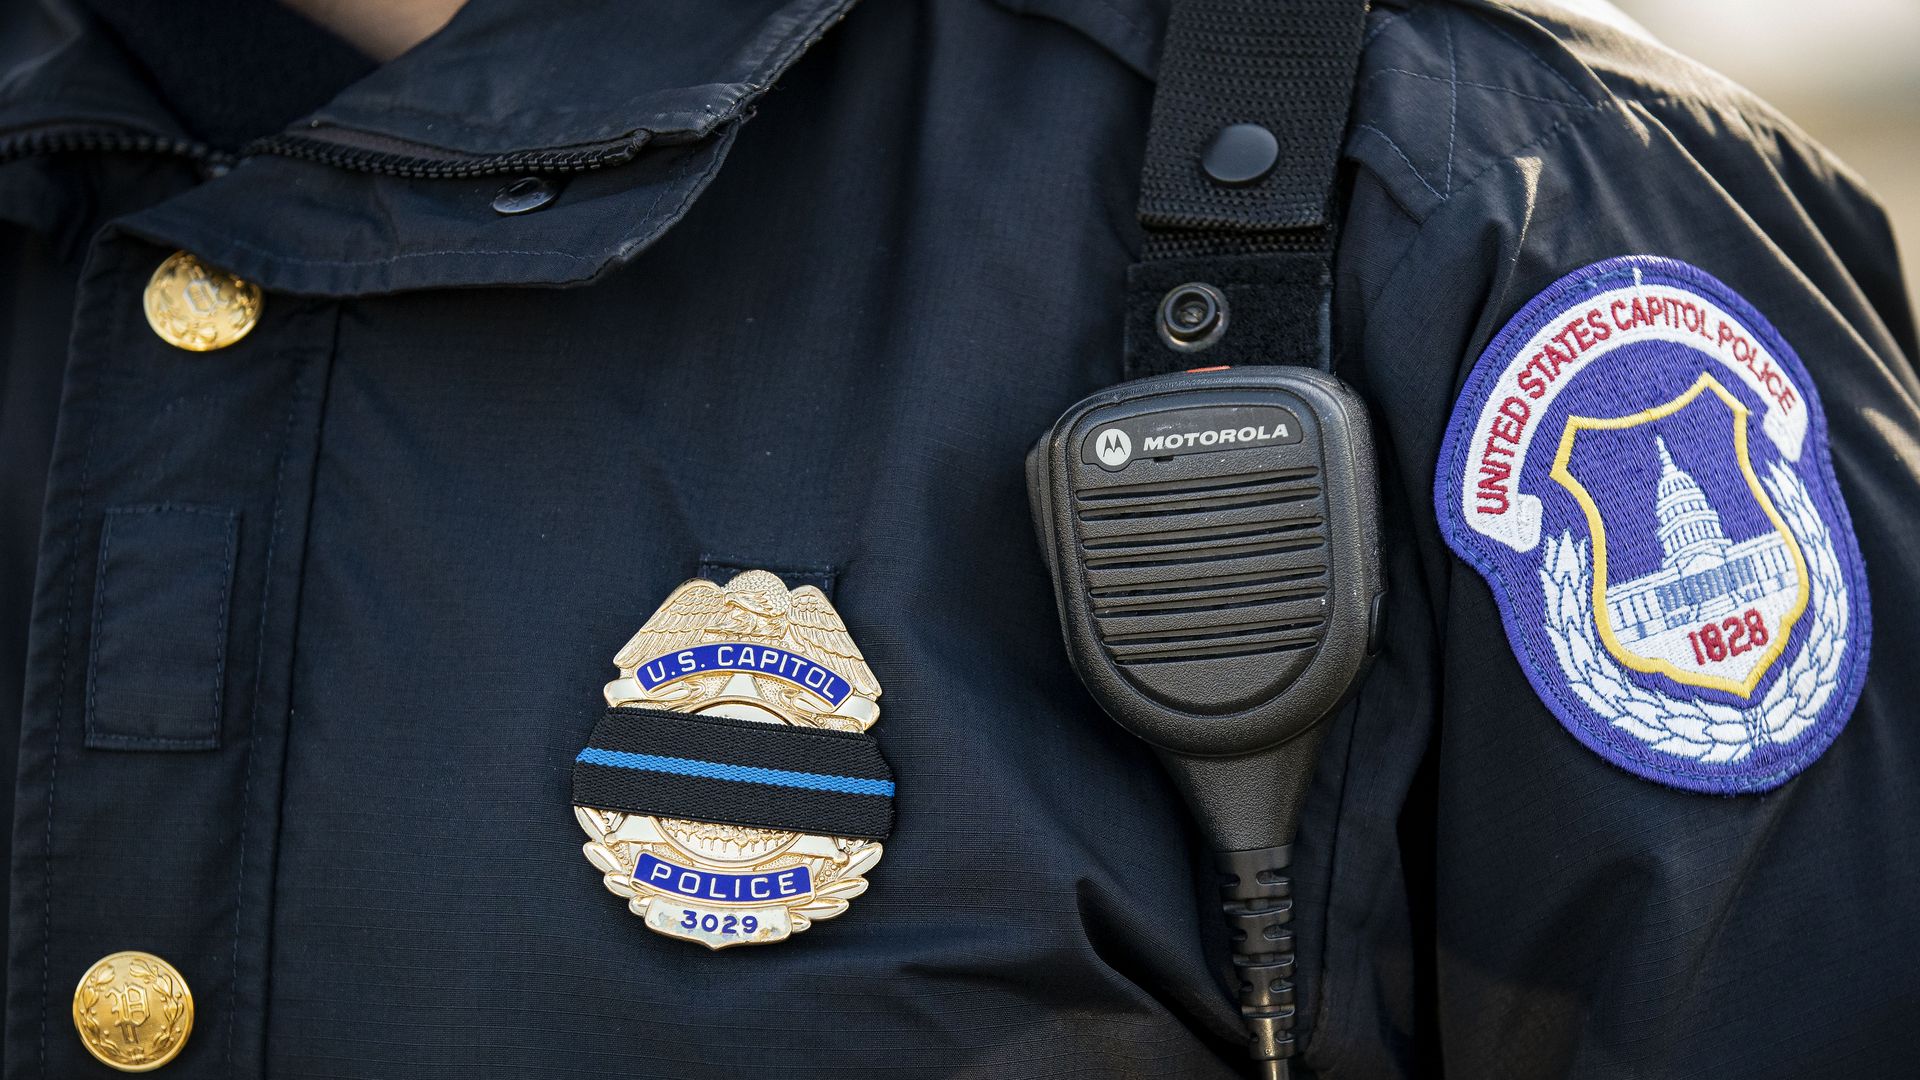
[(1240, 154)]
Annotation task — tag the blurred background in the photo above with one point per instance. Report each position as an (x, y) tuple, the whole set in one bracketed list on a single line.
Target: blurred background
[(1847, 71)]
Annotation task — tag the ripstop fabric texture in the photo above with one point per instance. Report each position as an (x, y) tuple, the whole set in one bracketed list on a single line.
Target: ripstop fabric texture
[(830, 271)]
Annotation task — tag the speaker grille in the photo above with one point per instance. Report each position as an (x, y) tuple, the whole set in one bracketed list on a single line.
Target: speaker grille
[(1206, 567)]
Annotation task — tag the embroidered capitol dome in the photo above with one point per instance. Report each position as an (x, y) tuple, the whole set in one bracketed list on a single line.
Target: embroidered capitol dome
[(1703, 574), (1690, 532)]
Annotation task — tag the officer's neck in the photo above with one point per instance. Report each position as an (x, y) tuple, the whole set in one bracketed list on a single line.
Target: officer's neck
[(383, 29)]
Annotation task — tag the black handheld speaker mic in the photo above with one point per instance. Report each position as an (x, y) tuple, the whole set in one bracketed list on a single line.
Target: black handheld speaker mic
[(1213, 539)]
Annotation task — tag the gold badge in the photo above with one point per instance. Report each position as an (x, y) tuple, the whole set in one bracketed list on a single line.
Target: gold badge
[(732, 793)]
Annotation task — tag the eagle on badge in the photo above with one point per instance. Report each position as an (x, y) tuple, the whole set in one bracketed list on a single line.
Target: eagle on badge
[(754, 607)]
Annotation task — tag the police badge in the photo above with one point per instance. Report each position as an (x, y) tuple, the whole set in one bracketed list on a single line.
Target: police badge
[(731, 792), (1638, 466)]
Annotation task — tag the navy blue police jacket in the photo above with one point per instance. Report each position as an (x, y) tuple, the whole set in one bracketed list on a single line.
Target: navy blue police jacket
[(813, 278)]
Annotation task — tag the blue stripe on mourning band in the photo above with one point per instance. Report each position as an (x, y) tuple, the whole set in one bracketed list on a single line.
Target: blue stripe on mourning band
[(749, 774)]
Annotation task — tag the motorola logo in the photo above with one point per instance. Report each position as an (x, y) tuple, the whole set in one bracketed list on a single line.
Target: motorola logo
[(1203, 429), (1113, 447)]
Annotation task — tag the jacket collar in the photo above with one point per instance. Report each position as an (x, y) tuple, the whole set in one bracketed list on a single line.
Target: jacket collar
[(592, 86), (590, 82), (596, 81)]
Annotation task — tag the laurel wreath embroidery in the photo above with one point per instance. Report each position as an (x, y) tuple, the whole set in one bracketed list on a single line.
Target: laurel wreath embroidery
[(1705, 731), (836, 886), (167, 990)]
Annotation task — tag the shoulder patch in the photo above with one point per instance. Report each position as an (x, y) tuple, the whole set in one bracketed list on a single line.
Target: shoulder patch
[(1638, 466)]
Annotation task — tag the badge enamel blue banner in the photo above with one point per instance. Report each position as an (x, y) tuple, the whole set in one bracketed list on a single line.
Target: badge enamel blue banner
[(1638, 466), (697, 814)]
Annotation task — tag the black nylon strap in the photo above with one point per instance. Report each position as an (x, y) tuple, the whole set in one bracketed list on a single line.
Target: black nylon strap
[(1287, 66), (1237, 268), (736, 772)]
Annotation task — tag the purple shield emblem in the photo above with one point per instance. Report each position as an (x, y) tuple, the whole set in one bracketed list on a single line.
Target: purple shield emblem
[(1638, 467)]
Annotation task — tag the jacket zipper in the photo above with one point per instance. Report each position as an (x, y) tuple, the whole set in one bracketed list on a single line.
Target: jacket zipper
[(395, 157), (344, 150), (63, 139)]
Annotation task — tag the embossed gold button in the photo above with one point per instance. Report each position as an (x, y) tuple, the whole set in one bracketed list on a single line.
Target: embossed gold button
[(133, 1011), (193, 306)]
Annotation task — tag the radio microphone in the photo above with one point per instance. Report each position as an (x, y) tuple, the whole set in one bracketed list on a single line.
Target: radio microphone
[(1213, 539)]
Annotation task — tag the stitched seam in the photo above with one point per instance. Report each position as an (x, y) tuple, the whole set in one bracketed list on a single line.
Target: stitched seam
[(555, 111), (168, 507), (253, 720), (1535, 56), (1562, 102), (1453, 90), (103, 737), (322, 390), (115, 741), (220, 631), (99, 621), (60, 698), (1415, 169), (1324, 1008), (718, 153), (277, 256), (550, 115), (1544, 134), (1386, 23), (1138, 31), (782, 55)]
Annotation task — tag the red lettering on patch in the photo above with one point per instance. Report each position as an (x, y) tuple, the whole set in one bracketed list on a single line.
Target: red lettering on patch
[(1491, 495)]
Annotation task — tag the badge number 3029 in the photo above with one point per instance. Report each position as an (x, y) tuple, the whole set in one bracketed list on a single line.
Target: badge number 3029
[(749, 651)]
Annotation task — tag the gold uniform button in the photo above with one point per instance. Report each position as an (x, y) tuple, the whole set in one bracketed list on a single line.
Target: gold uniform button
[(133, 1011), (193, 306)]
